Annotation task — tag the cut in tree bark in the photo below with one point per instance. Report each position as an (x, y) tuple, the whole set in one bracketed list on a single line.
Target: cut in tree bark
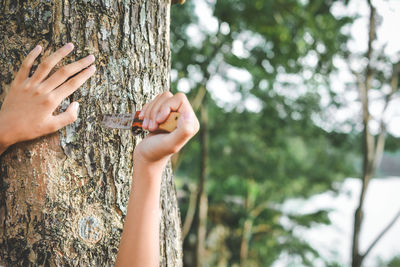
[(64, 196)]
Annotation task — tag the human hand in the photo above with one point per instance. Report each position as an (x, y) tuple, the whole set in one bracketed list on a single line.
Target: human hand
[(27, 110), (158, 147), (139, 244)]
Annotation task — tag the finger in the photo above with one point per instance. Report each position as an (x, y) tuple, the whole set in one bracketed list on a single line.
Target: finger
[(146, 117), (141, 115), (48, 64), (178, 102), (67, 117), (27, 64), (156, 107), (73, 84), (65, 72)]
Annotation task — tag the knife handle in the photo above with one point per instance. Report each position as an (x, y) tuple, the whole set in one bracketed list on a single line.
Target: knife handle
[(171, 123), (168, 125)]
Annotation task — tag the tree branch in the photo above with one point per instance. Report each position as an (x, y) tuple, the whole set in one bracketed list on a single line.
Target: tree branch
[(380, 144), (396, 217), (261, 228), (190, 212), (368, 139), (379, 147), (258, 209)]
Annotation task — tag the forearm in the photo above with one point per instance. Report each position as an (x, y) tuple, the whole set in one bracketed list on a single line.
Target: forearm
[(140, 238), (2, 149), (4, 140)]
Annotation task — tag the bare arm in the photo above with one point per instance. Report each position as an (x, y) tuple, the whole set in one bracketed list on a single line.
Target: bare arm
[(140, 238), (27, 110), (3, 147)]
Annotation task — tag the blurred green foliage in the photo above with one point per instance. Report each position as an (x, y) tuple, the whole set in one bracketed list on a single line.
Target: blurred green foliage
[(267, 146), (395, 262)]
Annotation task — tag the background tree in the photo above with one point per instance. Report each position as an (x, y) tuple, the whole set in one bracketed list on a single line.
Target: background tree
[(63, 197), (374, 77), (265, 146)]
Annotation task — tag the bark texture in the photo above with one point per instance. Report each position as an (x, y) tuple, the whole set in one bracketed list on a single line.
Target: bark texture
[(63, 197)]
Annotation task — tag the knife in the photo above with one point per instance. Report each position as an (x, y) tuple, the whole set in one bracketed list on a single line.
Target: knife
[(132, 122)]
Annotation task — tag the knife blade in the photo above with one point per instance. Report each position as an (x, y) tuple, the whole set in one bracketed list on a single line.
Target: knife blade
[(132, 122)]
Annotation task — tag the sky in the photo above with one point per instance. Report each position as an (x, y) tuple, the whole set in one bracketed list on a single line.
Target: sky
[(333, 241), (388, 37), (382, 200)]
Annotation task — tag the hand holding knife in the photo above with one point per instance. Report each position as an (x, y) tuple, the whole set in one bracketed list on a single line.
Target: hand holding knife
[(140, 237), (132, 122), (166, 113)]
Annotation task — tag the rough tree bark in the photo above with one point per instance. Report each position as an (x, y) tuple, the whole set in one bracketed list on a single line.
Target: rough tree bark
[(63, 197)]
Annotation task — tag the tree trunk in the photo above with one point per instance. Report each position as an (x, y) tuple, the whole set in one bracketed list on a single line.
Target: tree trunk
[(368, 145), (203, 200), (247, 229), (63, 197), (244, 244), (373, 148)]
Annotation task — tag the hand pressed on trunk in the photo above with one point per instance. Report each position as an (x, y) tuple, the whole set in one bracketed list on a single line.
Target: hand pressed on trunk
[(27, 110)]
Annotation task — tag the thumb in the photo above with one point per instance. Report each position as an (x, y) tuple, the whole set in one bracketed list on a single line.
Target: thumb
[(187, 127), (68, 116)]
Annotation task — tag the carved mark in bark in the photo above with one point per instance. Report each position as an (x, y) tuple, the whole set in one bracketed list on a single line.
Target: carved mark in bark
[(90, 229)]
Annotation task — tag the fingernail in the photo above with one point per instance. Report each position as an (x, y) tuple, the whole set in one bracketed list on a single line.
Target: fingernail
[(151, 124), (37, 48), (69, 46), (141, 114), (75, 106), (92, 68), (90, 58), (145, 122), (159, 116)]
